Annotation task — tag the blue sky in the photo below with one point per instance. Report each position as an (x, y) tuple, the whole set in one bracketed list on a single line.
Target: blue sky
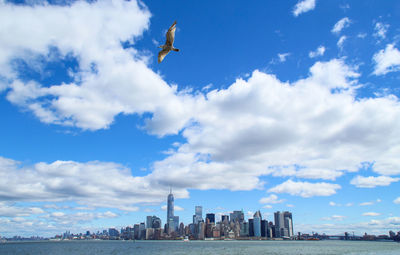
[(269, 105)]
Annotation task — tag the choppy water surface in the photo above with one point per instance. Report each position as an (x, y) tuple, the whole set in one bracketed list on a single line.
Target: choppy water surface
[(202, 247)]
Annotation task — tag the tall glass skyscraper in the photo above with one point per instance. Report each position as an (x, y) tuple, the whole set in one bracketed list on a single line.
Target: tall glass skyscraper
[(288, 222), (237, 216), (198, 214), (170, 207), (257, 224), (283, 224), (210, 217), (170, 213), (279, 224)]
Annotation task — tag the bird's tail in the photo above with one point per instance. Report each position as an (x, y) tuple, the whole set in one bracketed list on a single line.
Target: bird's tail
[(174, 49)]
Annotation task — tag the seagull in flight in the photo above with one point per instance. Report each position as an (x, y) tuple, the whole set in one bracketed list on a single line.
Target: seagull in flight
[(169, 43)]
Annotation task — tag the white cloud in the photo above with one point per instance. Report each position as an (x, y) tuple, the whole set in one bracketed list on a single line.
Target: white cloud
[(371, 214), (366, 203), (370, 202), (57, 214), (9, 210), (318, 52), (272, 199), (334, 218), (381, 30), (71, 219), (290, 205), (397, 200), (246, 131), (239, 134), (303, 6), (306, 189), (341, 41), (121, 81), (387, 60), (376, 227), (283, 57), (340, 25), (267, 206), (372, 181), (335, 204), (95, 184)]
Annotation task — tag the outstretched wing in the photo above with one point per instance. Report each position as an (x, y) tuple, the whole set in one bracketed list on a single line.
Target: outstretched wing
[(162, 54), (171, 35)]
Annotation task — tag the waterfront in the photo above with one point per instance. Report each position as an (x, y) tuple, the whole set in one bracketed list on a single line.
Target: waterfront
[(202, 247)]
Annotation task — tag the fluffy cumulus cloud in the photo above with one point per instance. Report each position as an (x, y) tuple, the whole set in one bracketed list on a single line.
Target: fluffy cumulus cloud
[(262, 126), (312, 128), (372, 181), (96, 184), (306, 189), (9, 210), (282, 57), (50, 223), (318, 52), (303, 6), (381, 30), (387, 60), (272, 199), (256, 127), (108, 80), (340, 25), (397, 200)]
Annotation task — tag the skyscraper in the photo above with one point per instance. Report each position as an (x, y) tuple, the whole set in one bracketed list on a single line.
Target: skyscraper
[(198, 214), (225, 218), (156, 222), (211, 217), (170, 207), (279, 224), (170, 213), (153, 222), (283, 224), (237, 216), (257, 224), (288, 223), (264, 228), (149, 223), (176, 223), (251, 227)]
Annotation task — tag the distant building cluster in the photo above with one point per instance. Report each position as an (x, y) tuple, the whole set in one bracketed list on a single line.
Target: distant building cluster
[(232, 226)]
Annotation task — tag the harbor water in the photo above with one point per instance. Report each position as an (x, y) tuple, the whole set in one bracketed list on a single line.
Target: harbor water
[(201, 247)]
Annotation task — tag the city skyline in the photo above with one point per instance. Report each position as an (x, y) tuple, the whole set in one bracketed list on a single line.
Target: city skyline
[(255, 227), (268, 106)]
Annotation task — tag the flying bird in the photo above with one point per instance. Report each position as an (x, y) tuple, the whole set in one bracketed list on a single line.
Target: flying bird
[(169, 43)]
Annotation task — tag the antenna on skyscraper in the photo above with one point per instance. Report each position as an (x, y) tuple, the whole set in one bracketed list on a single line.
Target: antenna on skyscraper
[(170, 190)]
